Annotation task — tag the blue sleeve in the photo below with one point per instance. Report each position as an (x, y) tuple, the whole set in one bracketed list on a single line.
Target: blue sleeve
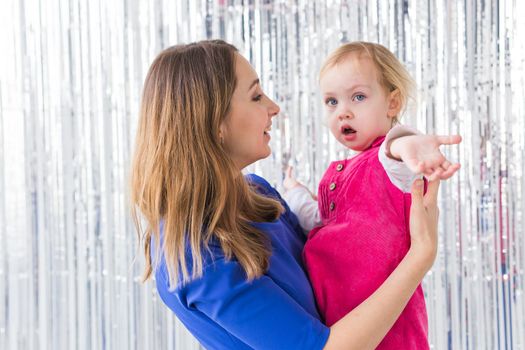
[(265, 188), (259, 313)]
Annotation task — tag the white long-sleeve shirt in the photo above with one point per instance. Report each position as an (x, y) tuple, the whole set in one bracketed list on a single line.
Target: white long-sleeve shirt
[(302, 203)]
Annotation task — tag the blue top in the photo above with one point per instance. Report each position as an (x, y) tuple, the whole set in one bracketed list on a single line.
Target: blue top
[(275, 311)]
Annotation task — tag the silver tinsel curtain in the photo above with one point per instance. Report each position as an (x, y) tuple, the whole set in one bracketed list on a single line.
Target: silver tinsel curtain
[(70, 83)]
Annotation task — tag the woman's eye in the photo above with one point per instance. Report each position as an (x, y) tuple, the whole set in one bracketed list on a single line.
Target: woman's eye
[(359, 98), (331, 102), (258, 98)]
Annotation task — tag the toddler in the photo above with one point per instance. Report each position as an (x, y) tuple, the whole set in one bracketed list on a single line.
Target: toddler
[(362, 225)]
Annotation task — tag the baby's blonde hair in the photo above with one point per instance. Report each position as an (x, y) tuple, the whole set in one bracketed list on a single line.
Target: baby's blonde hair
[(392, 74)]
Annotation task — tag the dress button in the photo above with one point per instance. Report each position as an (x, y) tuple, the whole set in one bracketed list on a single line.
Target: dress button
[(339, 167), (332, 186), (332, 206)]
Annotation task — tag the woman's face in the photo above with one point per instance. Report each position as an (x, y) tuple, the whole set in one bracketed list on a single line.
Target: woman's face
[(245, 131)]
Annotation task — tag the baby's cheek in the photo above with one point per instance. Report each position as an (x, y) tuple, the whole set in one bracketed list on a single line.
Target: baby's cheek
[(334, 132), (332, 122)]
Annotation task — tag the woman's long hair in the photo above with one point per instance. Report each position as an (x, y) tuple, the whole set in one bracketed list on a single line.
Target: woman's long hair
[(183, 177)]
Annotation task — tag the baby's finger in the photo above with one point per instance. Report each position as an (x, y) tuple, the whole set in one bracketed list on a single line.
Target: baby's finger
[(435, 160), (426, 166), (449, 139), (451, 170), (428, 173), (289, 171), (445, 164), (427, 169), (436, 174)]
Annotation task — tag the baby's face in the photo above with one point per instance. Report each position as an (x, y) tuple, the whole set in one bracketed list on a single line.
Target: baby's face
[(358, 109)]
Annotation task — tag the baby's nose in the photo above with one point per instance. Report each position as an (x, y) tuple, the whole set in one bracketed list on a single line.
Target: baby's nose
[(345, 115)]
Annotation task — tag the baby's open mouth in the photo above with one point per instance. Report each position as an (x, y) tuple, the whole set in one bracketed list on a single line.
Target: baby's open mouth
[(346, 130)]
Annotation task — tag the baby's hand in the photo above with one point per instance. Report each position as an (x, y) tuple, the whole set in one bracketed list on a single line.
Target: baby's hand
[(290, 181), (421, 154)]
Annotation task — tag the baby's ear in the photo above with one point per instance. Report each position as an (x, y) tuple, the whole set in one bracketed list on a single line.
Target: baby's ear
[(394, 103)]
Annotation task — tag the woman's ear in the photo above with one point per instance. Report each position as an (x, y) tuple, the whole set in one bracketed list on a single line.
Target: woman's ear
[(394, 104), (222, 133)]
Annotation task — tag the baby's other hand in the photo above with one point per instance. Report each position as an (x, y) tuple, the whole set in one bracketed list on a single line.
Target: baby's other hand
[(422, 155), (290, 181)]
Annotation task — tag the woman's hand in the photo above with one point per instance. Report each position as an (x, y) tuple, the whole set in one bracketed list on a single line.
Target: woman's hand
[(422, 155), (424, 214)]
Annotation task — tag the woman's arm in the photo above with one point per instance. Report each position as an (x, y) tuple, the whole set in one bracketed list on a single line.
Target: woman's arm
[(259, 313), (365, 326)]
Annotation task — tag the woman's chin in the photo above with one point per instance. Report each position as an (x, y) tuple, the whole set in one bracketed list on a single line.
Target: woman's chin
[(266, 153)]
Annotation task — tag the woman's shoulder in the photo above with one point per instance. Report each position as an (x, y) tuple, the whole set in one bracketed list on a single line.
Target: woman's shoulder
[(263, 187), (261, 184), (210, 253)]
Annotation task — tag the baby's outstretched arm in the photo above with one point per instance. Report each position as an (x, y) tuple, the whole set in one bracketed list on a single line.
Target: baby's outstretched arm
[(422, 155)]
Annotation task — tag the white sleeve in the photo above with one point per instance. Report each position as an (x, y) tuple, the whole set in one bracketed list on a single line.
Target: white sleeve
[(302, 204), (398, 173)]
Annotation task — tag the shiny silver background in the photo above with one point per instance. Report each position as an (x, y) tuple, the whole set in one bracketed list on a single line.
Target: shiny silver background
[(71, 77)]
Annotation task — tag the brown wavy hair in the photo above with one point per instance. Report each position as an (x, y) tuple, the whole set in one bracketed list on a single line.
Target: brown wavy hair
[(183, 177)]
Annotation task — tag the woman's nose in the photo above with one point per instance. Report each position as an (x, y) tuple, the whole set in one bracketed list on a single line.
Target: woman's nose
[(274, 109)]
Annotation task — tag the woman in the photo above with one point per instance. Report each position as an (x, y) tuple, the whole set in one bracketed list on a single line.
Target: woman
[(225, 249)]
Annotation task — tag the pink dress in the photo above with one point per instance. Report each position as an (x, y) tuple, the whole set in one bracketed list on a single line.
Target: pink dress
[(364, 236)]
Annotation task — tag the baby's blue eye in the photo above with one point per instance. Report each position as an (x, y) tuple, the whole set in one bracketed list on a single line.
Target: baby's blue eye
[(331, 102), (359, 98)]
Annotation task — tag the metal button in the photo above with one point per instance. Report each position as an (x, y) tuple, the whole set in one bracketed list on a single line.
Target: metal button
[(332, 206), (339, 167), (332, 186)]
